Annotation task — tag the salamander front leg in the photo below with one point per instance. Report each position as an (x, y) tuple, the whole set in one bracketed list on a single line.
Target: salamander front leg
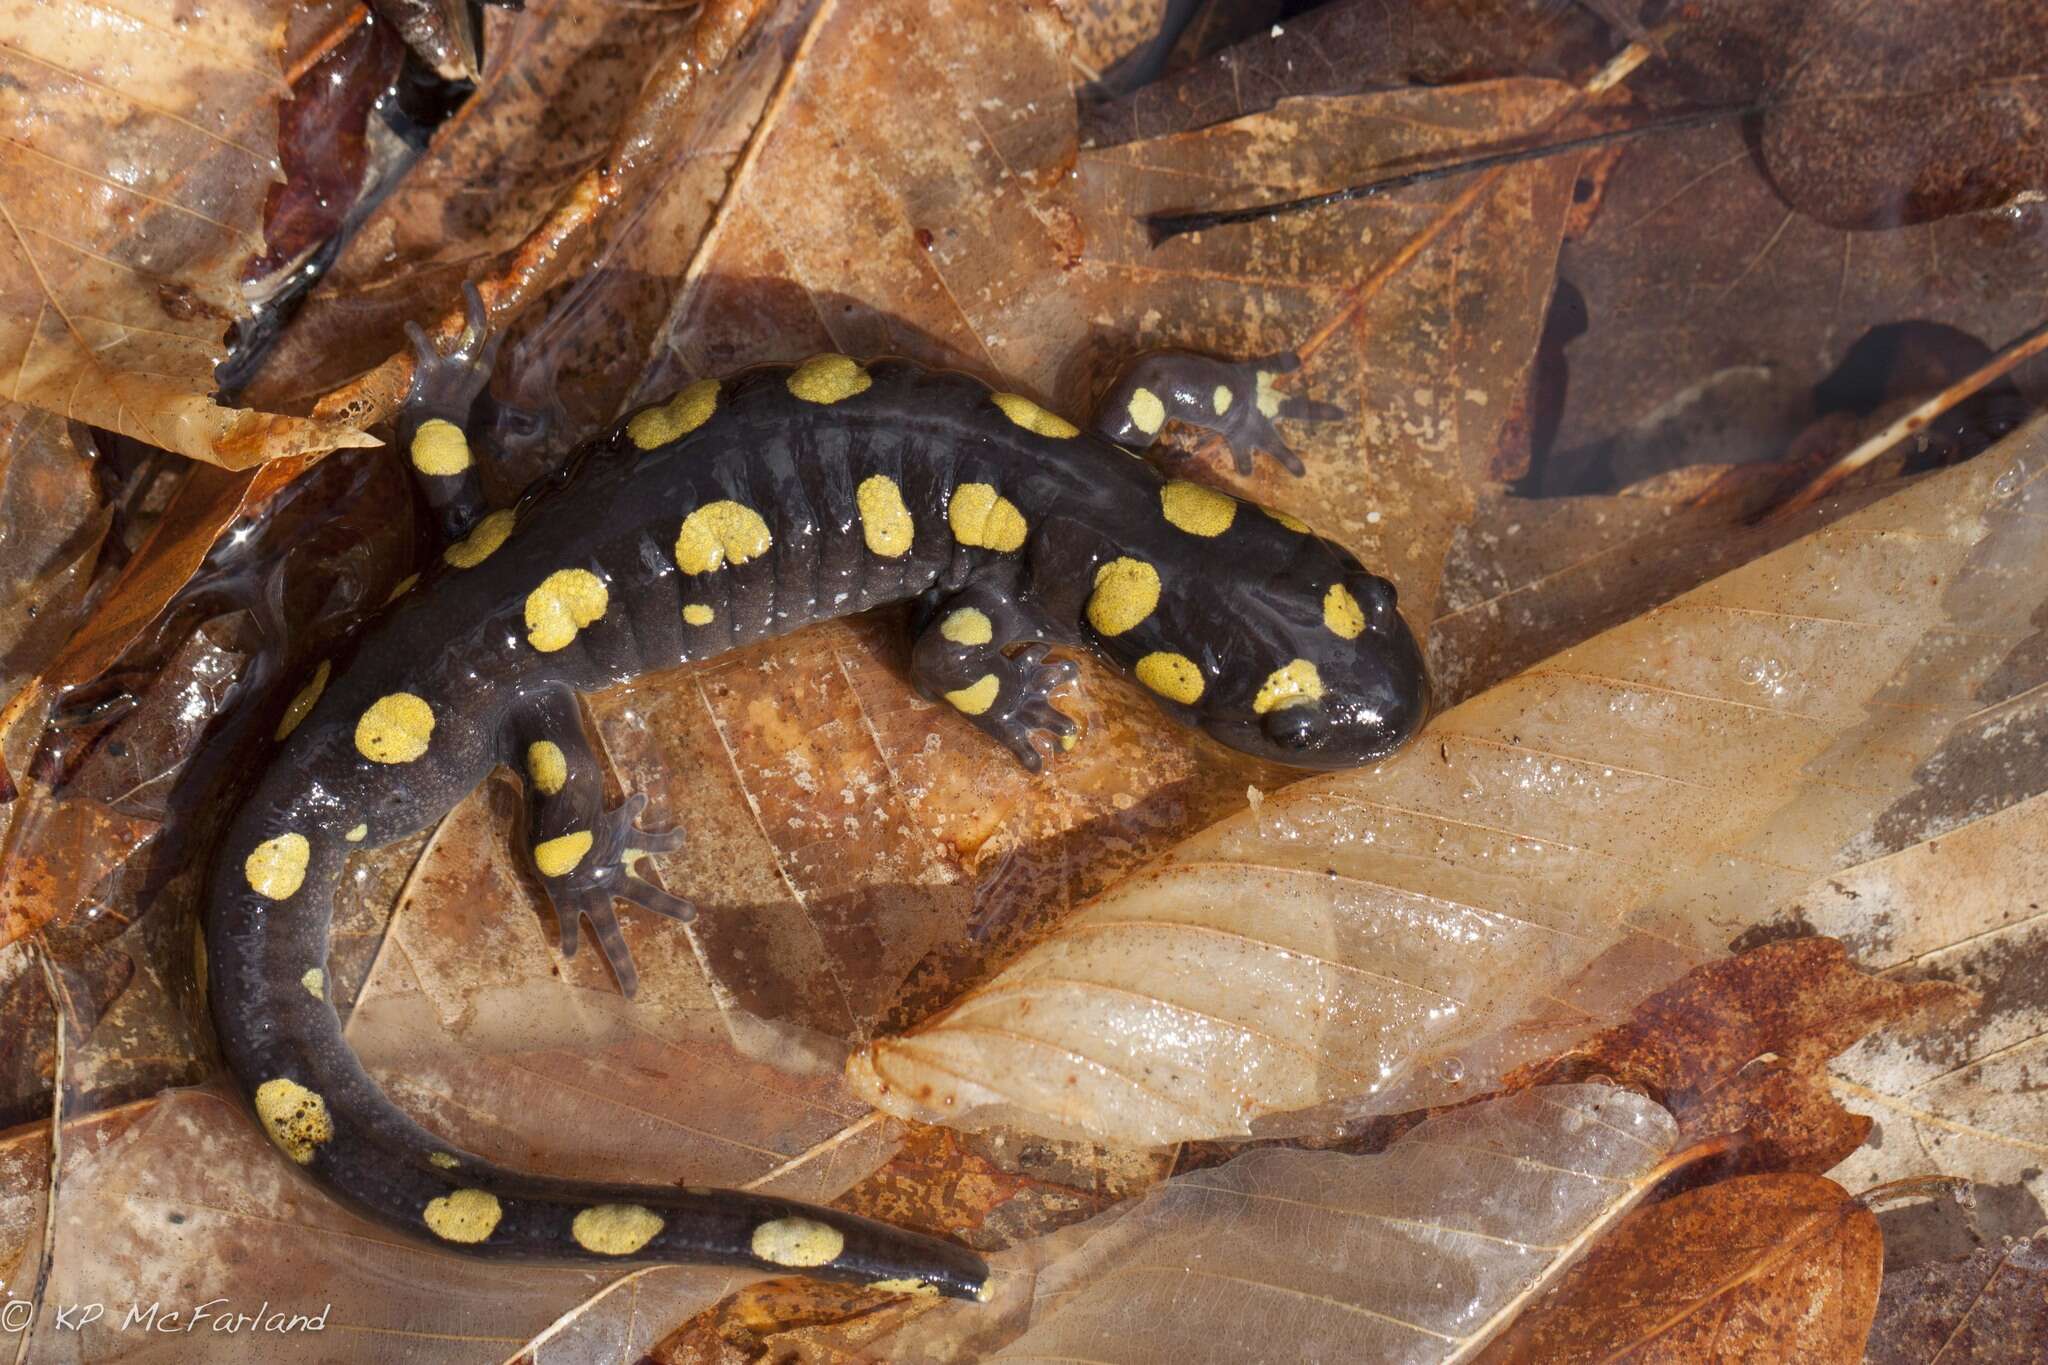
[(1236, 400), (434, 423), (578, 848), (962, 657)]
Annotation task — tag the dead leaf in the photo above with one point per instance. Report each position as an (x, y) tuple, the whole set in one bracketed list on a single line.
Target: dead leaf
[(1768, 1267), (1989, 1308)]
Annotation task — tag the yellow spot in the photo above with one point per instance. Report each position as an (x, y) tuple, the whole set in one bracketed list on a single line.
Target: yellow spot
[(980, 517), (558, 857), (977, 696), (395, 729), (546, 765), (1126, 591), (1268, 396), (1033, 418), (678, 417), (1295, 685), (1067, 742), (466, 1216), (798, 1242), (1287, 519), (615, 1229), (905, 1286), (884, 520), (721, 533), (1197, 510), (482, 541), (697, 614), (303, 702), (1148, 414), (439, 448), (828, 378), (1341, 612), (566, 601), (294, 1116), (967, 626), (1173, 676), (276, 867), (445, 1160), (1221, 399), (357, 834), (315, 982), (405, 585), (986, 1292)]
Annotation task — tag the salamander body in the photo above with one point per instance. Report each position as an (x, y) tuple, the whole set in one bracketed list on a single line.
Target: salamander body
[(737, 510)]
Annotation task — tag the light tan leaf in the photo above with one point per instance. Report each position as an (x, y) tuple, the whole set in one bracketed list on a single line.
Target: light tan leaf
[(1544, 855)]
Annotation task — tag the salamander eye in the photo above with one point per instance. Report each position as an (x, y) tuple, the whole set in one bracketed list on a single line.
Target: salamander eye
[(1376, 595), (1291, 727)]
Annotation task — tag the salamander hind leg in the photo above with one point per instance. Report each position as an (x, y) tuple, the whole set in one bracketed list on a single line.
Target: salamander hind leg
[(580, 850), (983, 653), (1237, 401)]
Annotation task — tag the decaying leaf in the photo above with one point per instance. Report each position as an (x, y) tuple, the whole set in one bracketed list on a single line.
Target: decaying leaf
[(1538, 858), (1988, 1308), (1767, 1267)]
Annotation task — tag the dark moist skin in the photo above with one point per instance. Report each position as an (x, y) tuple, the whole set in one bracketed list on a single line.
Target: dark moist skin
[(741, 509)]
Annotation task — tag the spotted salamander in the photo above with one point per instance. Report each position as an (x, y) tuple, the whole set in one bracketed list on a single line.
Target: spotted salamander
[(737, 510)]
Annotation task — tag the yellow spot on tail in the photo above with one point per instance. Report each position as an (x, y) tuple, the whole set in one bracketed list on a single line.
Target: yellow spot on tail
[(445, 1160), (1173, 676), (566, 601), (986, 1292), (977, 696), (904, 1286), (884, 521), (828, 378), (1126, 592), (315, 982), (439, 448), (547, 766), (295, 1117), (678, 417), (303, 702), (982, 518), (615, 1229), (466, 1216), (1220, 400), (405, 585), (357, 834), (1268, 396), (1287, 519), (482, 541), (1294, 685), (559, 856), (395, 729), (967, 626), (1032, 417), (1341, 612), (1148, 414), (276, 867), (721, 533), (798, 1242), (697, 614), (1197, 510)]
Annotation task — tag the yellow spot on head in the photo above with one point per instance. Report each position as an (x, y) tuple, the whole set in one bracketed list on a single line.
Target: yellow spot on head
[(558, 857), (466, 1216), (1287, 519), (904, 1286), (1297, 684), (1197, 510), (1173, 676), (1268, 396), (566, 601), (1033, 418), (980, 517), (884, 521), (405, 585), (1341, 612), (294, 1116), (678, 417), (1148, 414), (967, 626), (721, 533), (1126, 592), (439, 448), (615, 1229), (276, 867), (303, 702), (977, 696), (445, 1160), (395, 729), (482, 541), (1221, 399), (828, 378), (546, 766), (357, 834), (315, 982), (798, 1242), (697, 614)]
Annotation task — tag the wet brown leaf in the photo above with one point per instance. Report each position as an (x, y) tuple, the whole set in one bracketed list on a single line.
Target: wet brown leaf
[(1988, 1308)]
